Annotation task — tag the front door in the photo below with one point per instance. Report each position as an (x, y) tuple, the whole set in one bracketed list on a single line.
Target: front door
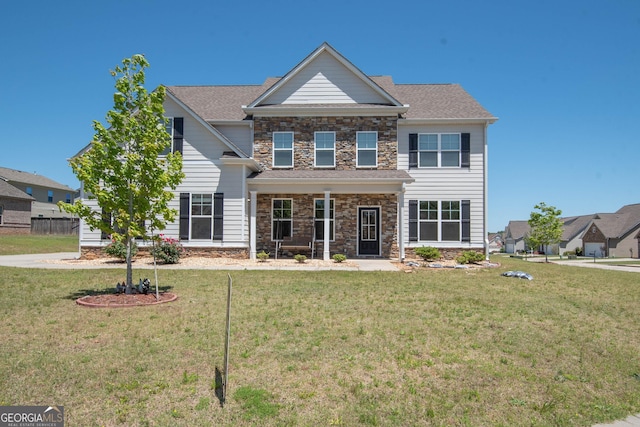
[(369, 231)]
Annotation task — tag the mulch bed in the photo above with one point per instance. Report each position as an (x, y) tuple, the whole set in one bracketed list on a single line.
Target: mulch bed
[(123, 300)]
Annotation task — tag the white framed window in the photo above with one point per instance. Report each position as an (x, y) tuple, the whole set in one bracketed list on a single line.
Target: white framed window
[(281, 218), (439, 221), (451, 220), (67, 198), (169, 129), (438, 150), (50, 196), (367, 149), (201, 216), (318, 210), (282, 149), (325, 149)]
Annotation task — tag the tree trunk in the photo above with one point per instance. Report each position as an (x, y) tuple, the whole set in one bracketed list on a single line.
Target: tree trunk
[(129, 268)]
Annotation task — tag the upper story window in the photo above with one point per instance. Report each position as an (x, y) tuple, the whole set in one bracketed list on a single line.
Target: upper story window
[(175, 128), (282, 149), (169, 129), (1, 211), (29, 191), (438, 150), (325, 149), (434, 150), (367, 149), (50, 196), (67, 198)]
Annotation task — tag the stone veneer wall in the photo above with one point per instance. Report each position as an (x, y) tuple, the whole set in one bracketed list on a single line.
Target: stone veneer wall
[(448, 254), (345, 129), (346, 221)]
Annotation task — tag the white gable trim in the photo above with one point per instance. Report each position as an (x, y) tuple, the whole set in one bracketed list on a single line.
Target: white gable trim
[(325, 47), (208, 126)]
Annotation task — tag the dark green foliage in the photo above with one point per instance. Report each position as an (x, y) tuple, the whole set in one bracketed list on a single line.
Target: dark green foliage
[(428, 253)]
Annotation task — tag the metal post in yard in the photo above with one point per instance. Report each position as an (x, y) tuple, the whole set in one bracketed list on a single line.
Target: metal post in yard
[(225, 377)]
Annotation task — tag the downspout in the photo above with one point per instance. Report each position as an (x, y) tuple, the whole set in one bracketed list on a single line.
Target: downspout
[(486, 189), (253, 197)]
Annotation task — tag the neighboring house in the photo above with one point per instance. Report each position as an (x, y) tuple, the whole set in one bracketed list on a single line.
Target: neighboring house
[(572, 231), (602, 235), (45, 192), (614, 235), (573, 227), (327, 155), (495, 242), (15, 210), (514, 236)]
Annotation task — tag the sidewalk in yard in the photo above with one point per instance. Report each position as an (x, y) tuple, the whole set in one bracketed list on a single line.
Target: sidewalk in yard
[(48, 261)]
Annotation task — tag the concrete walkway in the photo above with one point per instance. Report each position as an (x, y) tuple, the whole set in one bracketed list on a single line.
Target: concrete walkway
[(49, 261), (602, 264)]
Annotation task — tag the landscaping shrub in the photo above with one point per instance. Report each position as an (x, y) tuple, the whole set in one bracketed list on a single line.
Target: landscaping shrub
[(168, 250), (300, 258), (262, 256), (428, 253), (468, 257), (118, 249), (339, 258)]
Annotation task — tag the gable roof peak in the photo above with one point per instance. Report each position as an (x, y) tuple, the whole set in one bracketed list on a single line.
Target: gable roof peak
[(326, 48)]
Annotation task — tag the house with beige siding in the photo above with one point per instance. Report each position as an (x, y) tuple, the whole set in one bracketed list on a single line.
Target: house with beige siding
[(330, 160), (45, 192)]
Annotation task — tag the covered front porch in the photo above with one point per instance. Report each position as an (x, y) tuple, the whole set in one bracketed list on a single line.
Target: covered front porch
[(357, 217)]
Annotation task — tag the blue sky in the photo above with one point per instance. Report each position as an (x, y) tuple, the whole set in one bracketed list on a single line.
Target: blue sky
[(562, 76)]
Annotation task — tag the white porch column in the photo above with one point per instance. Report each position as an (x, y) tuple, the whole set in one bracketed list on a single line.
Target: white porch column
[(401, 225), (253, 196), (326, 255)]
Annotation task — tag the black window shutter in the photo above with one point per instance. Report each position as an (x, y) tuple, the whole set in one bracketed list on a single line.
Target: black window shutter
[(465, 140), (218, 215), (413, 150), (184, 216), (466, 220), (178, 132), (413, 220)]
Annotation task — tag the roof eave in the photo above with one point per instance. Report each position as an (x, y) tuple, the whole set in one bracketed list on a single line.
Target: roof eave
[(250, 163), (448, 120), (323, 111)]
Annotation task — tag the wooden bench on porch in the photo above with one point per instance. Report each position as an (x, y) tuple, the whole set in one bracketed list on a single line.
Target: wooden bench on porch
[(296, 244)]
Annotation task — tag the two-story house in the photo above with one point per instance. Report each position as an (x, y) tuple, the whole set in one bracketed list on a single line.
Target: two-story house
[(46, 192), (354, 164)]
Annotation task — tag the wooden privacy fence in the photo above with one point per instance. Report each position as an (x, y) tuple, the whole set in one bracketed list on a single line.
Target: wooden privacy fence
[(55, 226)]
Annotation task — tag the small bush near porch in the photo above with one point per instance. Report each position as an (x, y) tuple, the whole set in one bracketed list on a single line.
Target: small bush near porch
[(435, 347)]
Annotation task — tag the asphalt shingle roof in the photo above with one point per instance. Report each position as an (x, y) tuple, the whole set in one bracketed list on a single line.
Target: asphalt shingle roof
[(13, 175), (8, 190), (426, 101)]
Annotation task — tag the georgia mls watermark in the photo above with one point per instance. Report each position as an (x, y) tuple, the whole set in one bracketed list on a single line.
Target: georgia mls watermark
[(31, 416)]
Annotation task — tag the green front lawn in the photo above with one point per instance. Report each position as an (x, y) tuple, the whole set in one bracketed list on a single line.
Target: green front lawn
[(15, 244), (435, 347)]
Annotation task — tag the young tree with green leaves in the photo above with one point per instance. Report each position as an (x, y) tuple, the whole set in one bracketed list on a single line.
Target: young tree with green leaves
[(546, 226), (123, 169)]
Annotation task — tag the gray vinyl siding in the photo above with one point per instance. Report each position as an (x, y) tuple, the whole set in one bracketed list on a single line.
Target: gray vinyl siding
[(325, 81), (204, 173), (241, 135), (447, 183)]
